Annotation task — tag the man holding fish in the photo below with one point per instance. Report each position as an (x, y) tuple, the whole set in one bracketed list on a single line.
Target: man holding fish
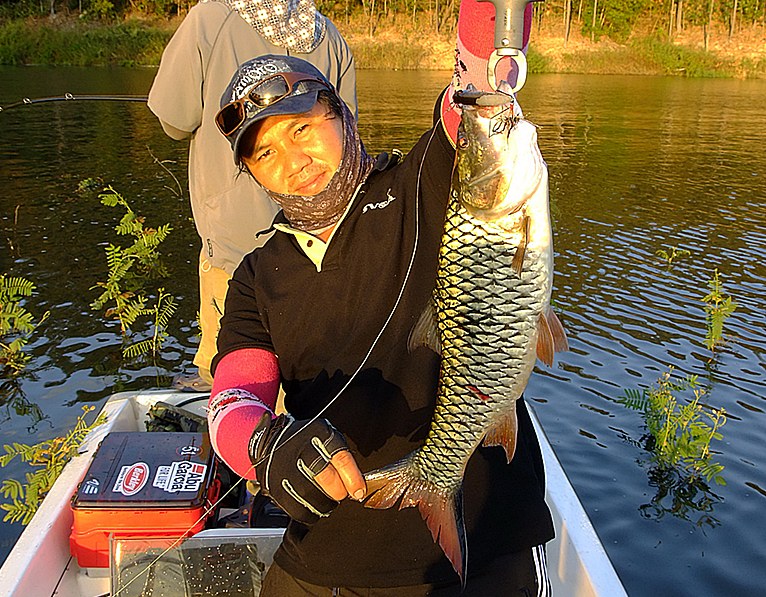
[(402, 308)]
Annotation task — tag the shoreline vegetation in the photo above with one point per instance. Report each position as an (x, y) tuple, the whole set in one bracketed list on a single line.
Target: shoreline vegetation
[(405, 43)]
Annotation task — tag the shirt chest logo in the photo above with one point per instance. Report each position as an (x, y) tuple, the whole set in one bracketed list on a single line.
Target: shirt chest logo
[(381, 204)]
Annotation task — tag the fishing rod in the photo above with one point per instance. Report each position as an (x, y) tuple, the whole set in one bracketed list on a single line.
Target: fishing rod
[(72, 97)]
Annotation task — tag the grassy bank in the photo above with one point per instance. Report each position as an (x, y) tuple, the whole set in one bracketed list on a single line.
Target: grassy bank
[(398, 45), (741, 57), (82, 43)]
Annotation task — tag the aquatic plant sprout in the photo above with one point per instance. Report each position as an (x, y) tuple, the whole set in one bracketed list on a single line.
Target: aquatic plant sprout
[(679, 433), (718, 307), (48, 458), (16, 324), (130, 267)]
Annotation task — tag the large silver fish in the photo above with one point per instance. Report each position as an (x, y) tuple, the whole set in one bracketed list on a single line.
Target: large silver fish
[(490, 317)]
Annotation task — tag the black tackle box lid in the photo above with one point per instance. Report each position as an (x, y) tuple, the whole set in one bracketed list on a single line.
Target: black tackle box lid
[(155, 470)]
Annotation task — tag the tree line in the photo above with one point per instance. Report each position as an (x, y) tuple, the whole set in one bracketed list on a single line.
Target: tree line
[(615, 19)]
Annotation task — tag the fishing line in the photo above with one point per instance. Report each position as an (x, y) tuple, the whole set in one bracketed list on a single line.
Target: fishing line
[(393, 309), (71, 97)]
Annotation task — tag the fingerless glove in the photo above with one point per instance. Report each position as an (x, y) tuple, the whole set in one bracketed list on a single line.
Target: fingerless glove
[(287, 455)]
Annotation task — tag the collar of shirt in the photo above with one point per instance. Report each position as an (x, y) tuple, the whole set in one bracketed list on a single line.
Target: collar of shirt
[(313, 246)]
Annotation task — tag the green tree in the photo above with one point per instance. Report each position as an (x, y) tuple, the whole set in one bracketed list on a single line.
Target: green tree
[(613, 18)]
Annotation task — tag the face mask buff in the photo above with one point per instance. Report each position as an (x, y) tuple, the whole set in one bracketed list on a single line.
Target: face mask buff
[(293, 24), (326, 208)]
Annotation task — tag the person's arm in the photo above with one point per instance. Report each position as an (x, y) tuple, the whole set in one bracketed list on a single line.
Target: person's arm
[(176, 93), (304, 465), (245, 387)]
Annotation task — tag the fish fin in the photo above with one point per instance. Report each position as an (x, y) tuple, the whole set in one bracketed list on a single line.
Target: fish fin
[(443, 515), (386, 485), (504, 434), (551, 337), (518, 258), (560, 342), (425, 332), (441, 509), (544, 340)]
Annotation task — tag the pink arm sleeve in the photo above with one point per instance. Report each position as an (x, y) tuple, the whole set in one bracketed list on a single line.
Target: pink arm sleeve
[(475, 44), (246, 385)]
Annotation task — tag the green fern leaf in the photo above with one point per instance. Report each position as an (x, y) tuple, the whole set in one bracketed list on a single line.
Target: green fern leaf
[(635, 399), (11, 488), (138, 349), (13, 288)]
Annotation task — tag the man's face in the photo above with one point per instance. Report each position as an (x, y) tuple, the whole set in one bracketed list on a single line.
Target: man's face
[(297, 154)]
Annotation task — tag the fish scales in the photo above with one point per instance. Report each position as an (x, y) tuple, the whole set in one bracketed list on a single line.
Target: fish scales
[(489, 314), (478, 335)]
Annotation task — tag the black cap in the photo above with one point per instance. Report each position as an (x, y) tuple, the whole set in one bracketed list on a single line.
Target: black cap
[(250, 73)]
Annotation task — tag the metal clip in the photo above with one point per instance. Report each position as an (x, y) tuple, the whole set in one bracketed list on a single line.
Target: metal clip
[(521, 63)]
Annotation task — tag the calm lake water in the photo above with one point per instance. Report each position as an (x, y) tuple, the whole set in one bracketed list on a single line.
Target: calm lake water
[(637, 165)]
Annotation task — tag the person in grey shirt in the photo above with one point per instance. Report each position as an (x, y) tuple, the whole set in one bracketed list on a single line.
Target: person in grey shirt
[(229, 208)]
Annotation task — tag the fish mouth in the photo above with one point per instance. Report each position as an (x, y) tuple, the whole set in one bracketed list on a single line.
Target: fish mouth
[(481, 99)]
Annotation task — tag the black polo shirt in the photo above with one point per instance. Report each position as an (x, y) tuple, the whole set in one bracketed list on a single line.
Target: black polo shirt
[(378, 273)]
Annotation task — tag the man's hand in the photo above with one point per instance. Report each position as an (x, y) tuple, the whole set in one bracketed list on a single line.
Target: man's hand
[(305, 466)]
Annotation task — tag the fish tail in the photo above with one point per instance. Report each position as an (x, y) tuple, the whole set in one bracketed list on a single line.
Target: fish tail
[(441, 509)]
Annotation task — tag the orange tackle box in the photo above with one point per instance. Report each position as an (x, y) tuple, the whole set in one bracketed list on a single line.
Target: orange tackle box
[(153, 485)]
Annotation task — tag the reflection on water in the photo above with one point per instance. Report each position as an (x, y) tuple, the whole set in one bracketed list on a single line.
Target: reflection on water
[(688, 498), (637, 165)]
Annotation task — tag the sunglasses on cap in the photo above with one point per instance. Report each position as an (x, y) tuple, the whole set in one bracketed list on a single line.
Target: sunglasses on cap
[(261, 95)]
